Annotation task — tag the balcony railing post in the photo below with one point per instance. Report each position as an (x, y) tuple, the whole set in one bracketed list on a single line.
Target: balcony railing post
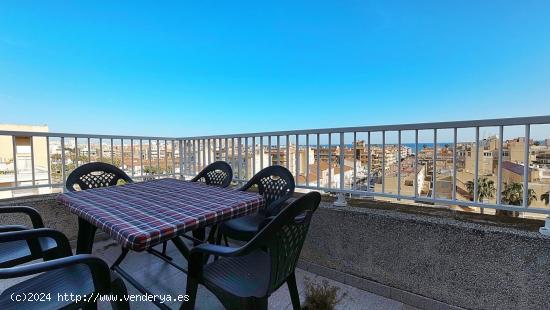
[(183, 158), (499, 172), (48, 161), (454, 163), (14, 149), (131, 156), (297, 156), (330, 160), (112, 154), (89, 151), (261, 152), (341, 201), (278, 150), (398, 163), (354, 186), (476, 172), (63, 168), (383, 172), (287, 152), (75, 150), (434, 172), (369, 158), (253, 155), (122, 154), (32, 162), (307, 160), (245, 159), (318, 160), (416, 163), (269, 159), (239, 159), (526, 168)]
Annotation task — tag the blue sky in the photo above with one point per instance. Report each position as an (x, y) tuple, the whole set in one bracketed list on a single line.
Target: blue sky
[(213, 67)]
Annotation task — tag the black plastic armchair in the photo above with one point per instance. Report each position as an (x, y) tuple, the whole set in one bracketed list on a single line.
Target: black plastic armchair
[(217, 174), (15, 253), (94, 175), (244, 277), (276, 185), (81, 275)]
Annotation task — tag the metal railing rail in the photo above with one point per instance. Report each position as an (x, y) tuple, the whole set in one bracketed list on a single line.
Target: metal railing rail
[(318, 158), (302, 142), (72, 150)]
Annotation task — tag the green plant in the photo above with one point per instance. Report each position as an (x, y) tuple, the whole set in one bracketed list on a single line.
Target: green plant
[(485, 188), (513, 195), (321, 296), (544, 197)]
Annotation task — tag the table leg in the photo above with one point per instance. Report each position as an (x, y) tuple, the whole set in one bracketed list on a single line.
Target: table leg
[(86, 235), (199, 234), (181, 246), (212, 234)]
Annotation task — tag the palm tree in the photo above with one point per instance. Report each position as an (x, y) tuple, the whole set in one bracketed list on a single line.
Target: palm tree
[(544, 197), (513, 195), (485, 189)]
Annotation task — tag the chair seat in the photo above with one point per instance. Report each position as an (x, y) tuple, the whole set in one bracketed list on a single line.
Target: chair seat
[(242, 228), (75, 279), (242, 277), (10, 251)]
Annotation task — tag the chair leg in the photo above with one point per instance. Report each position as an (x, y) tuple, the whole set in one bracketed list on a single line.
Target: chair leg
[(191, 292), (254, 303), (218, 241), (219, 237), (293, 289), (164, 245), (119, 289)]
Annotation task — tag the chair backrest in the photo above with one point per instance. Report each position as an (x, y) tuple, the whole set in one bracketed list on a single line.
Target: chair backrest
[(218, 174), (94, 175), (284, 235), (275, 184)]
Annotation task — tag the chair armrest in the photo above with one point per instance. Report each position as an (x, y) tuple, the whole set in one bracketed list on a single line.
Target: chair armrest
[(8, 228), (32, 236), (35, 217), (99, 270), (198, 254), (278, 205), (218, 250)]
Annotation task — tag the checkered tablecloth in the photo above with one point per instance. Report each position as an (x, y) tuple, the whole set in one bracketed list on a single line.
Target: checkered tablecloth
[(141, 215)]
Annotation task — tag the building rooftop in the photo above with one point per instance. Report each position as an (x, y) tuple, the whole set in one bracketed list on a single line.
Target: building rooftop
[(513, 167)]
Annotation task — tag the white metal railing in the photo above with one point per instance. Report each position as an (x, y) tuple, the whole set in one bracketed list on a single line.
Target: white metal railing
[(371, 161)]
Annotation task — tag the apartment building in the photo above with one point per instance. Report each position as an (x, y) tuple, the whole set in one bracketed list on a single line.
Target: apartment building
[(31, 160)]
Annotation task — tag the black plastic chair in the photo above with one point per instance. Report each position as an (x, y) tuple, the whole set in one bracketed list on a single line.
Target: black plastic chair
[(64, 274), (217, 174), (276, 185), (244, 277), (94, 175), (20, 252)]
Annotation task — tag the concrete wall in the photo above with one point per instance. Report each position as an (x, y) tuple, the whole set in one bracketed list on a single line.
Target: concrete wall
[(458, 263), (54, 215), (477, 266)]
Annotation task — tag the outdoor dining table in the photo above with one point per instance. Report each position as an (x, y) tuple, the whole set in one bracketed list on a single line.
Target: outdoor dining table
[(141, 215)]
